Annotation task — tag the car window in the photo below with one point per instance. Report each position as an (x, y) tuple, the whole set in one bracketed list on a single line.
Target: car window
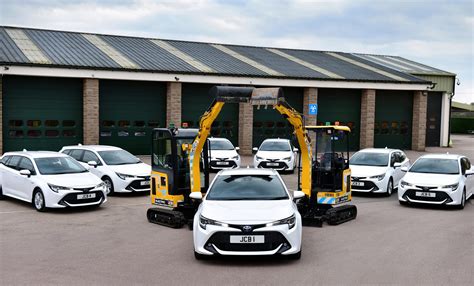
[(369, 159), (26, 164), (402, 157), (275, 146), (247, 187), (465, 165), (90, 156), (468, 163), (13, 162), (435, 166), (393, 158), (221, 145), (59, 165), (5, 160), (118, 157), (76, 154), (67, 151)]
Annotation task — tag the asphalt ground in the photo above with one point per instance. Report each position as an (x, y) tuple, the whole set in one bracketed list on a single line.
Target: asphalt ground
[(115, 245)]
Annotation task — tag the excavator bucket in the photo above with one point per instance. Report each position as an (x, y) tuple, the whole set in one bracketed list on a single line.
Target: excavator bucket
[(266, 96), (231, 94)]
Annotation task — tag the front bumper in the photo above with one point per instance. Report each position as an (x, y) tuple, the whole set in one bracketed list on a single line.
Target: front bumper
[(369, 185), (438, 196), (278, 165), (70, 199), (279, 240), (132, 185)]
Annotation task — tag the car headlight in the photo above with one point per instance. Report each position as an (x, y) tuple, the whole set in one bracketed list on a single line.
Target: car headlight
[(405, 184), (259, 158), (56, 188), (453, 187), (204, 221), (286, 159), (235, 157), (290, 221), (378, 177), (124, 176)]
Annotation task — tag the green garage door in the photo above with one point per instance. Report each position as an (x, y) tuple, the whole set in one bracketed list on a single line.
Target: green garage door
[(41, 113), (269, 123), (196, 100), (393, 119), (129, 110), (342, 105)]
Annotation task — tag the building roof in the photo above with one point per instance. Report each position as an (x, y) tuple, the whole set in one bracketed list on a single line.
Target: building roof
[(462, 106), (48, 48)]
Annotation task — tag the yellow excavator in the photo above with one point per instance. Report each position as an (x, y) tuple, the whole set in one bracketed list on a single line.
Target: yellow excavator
[(180, 163)]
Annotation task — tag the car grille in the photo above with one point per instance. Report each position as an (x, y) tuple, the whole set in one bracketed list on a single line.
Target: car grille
[(368, 185), (72, 198), (440, 196), (273, 240), (83, 189), (264, 164)]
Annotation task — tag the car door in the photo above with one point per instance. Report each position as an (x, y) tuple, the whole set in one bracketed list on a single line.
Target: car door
[(469, 180), (11, 176), (91, 156), (25, 184)]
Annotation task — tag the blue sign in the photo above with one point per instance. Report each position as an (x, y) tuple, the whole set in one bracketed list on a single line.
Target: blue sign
[(313, 109)]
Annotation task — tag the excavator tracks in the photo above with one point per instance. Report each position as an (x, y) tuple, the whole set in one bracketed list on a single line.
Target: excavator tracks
[(338, 215), (170, 218)]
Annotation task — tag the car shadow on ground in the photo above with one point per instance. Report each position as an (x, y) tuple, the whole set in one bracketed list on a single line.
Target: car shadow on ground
[(129, 195), (29, 207), (437, 207), (239, 261)]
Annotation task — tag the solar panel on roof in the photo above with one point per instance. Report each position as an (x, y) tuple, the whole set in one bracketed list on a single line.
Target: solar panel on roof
[(110, 51), (29, 49)]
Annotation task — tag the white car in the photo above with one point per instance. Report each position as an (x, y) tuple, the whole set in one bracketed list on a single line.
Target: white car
[(377, 170), (438, 179), (247, 211), (277, 154), (49, 180), (223, 155), (121, 171)]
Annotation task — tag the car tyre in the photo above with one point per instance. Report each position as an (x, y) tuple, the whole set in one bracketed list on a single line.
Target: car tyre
[(1, 193), (463, 201), (389, 188), (110, 185), (39, 202), (296, 256)]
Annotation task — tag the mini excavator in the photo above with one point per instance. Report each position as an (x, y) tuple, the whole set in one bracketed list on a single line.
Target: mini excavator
[(180, 163)]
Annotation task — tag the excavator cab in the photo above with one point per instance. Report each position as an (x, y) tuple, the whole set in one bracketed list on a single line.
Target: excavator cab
[(170, 180)]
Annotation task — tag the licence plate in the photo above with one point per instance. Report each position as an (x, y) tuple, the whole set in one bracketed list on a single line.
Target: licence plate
[(272, 164), (358, 184), (222, 163), (425, 194), (85, 196), (247, 239), (144, 183)]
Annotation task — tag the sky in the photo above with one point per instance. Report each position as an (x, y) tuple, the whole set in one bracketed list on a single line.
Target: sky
[(437, 33)]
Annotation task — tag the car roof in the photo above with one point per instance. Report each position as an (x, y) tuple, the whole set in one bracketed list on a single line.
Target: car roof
[(247, 171), (218, 139), (36, 154), (93, 147), (276, 139), (442, 156), (378, 150)]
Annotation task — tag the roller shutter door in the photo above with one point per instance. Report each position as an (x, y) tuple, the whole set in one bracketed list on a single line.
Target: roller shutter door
[(342, 105), (41, 113), (393, 119), (196, 100), (269, 123), (129, 110)]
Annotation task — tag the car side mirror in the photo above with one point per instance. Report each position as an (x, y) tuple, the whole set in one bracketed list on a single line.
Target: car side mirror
[(254, 150), (404, 169), (296, 150), (298, 195), (25, 173), (92, 164), (195, 195), (397, 165), (237, 148)]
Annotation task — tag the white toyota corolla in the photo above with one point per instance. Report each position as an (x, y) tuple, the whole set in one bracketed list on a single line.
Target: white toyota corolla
[(377, 170), (223, 155), (121, 171), (277, 154), (247, 212), (439, 179), (49, 180)]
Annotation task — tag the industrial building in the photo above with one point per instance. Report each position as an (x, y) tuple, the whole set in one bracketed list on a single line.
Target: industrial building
[(60, 88)]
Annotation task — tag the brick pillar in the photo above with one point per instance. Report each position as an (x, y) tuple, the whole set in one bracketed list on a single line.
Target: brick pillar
[(419, 121), (90, 97), (367, 118), (310, 96), (1, 114), (173, 104), (245, 128)]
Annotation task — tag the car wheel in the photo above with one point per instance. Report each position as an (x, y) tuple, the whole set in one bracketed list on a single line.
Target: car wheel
[(1, 194), (109, 184), (463, 201), (296, 256), (389, 188), (39, 202)]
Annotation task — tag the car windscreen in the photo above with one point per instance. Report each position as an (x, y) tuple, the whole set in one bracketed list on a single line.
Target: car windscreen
[(247, 187), (118, 157), (221, 145), (274, 146), (369, 159), (58, 166), (435, 166)]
